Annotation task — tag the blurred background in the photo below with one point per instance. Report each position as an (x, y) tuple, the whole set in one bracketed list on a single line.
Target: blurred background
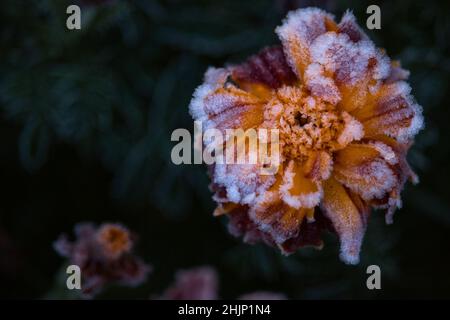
[(85, 125)]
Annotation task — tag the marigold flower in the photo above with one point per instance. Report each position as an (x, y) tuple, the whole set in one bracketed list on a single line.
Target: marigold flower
[(200, 283), (104, 256), (346, 120)]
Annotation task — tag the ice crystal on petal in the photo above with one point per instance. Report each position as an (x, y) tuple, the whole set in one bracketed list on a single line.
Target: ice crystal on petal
[(337, 54), (297, 33), (397, 73), (320, 85), (346, 119), (263, 295), (304, 200), (371, 180), (353, 130), (202, 283), (385, 151), (239, 180), (350, 27)]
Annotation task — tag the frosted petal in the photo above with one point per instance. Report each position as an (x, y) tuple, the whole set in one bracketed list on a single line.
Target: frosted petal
[(353, 130), (394, 113), (298, 31), (321, 86), (213, 78), (268, 67), (298, 191), (348, 61)]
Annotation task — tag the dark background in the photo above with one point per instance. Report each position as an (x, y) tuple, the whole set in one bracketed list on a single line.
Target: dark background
[(85, 125)]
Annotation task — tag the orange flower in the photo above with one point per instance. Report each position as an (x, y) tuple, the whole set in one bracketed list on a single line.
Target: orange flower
[(346, 120)]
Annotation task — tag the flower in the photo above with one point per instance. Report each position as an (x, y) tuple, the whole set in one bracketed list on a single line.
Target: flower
[(104, 256), (346, 120)]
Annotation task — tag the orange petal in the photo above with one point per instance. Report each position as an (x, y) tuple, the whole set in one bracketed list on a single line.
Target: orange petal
[(395, 154), (318, 166), (320, 85), (355, 67), (391, 112), (397, 73), (297, 33), (224, 208), (349, 26), (278, 219), (348, 218), (233, 108), (221, 105), (275, 217)]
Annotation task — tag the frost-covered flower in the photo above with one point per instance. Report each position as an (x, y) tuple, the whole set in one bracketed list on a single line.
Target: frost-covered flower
[(346, 120), (104, 256)]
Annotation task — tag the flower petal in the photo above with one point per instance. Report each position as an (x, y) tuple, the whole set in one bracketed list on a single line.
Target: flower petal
[(350, 64), (310, 234), (397, 73), (242, 182), (297, 190), (318, 166), (395, 154), (269, 68), (353, 130), (275, 217), (354, 67), (321, 86), (223, 106), (278, 219), (350, 27), (240, 224)]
